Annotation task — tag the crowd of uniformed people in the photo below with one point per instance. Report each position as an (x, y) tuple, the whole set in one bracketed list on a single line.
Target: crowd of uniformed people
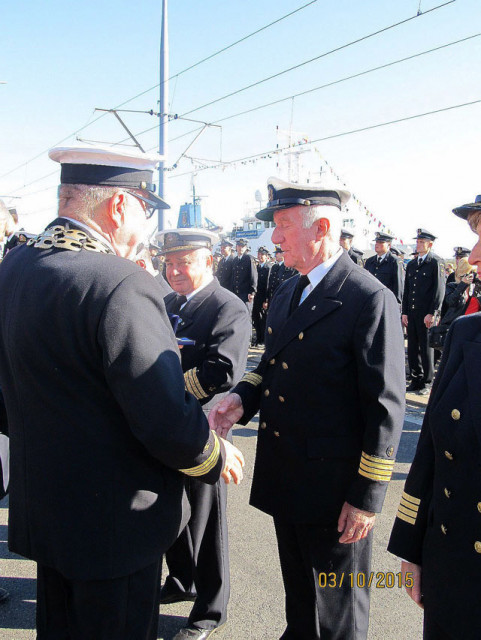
[(122, 370)]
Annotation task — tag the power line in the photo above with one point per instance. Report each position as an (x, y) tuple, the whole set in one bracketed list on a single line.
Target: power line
[(250, 35), (331, 137), (322, 55), (318, 88), (316, 140)]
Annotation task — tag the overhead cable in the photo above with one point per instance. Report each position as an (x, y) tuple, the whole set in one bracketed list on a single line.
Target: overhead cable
[(331, 137), (322, 55), (196, 64)]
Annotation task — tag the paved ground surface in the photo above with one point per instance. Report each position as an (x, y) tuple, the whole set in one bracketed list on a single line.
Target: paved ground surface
[(256, 608)]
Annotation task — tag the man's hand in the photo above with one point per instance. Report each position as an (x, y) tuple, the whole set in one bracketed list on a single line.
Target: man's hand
[(404, 320), (225, 414), (411, 576), (250, 297), (428, 320), (354, 524), (234, 461)]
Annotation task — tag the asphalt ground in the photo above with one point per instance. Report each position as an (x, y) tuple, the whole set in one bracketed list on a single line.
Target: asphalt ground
[(256, 609)]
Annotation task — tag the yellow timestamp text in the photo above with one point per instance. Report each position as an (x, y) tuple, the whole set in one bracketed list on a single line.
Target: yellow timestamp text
[(379, 580)]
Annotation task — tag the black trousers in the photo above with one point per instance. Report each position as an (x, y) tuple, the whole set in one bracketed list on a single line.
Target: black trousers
[(124, 608), (198, 561), (321, 577), (259, 319), (431, 629), (420, 354)]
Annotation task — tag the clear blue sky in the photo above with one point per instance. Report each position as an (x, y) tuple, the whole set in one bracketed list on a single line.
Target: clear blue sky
[(61, 60)]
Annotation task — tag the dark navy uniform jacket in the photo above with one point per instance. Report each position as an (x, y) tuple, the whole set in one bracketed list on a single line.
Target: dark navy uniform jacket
[(424, 286), (389, 271), (438, 524), (99, 420), (224, 272), (221, 327), (278, 274), (244, 276), (330, 388), (262, 280)]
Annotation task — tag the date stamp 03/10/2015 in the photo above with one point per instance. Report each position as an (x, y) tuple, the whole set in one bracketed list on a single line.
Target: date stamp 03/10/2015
[(379, 580)]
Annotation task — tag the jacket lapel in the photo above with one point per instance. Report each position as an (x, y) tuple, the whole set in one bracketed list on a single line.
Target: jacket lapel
[(322, 301), (187, 314)]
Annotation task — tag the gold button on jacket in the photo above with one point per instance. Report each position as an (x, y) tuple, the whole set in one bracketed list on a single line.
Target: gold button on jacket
[(455, 414)]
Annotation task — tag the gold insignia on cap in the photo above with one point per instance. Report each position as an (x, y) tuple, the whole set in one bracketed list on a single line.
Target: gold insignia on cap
[(375, 468), (389, 451), (143, 185), (271, 192), (408, 508)]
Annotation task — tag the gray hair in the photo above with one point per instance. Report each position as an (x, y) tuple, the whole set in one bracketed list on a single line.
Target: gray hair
[(331, 213), (81, 200)]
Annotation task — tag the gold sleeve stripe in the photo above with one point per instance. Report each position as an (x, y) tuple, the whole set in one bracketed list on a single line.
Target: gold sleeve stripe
[(374, 476), (407, 512), (193, 385), (252, 378), (207, 465), (376, 467), (412, 499), (409, 505), (383, 473), (378, 461), (407, 519)]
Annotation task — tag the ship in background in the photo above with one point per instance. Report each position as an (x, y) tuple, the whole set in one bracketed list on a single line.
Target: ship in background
[(303, 165)]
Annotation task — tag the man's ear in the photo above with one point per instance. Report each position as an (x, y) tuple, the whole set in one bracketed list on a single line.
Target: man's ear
[(116, 209), (323, 226)]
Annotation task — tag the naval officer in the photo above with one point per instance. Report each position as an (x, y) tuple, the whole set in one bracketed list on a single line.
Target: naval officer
[(333, 340), (219, 323), (345, 241), (224, 268), (437, 530), (102, 433), (244, 274), (260, 298), (424, 288), (385, 266), (278, 274)]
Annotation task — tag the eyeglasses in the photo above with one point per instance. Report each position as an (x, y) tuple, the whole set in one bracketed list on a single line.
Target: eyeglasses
[(150, 207)]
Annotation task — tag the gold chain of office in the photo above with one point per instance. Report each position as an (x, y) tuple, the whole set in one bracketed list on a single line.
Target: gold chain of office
[(58, 237)]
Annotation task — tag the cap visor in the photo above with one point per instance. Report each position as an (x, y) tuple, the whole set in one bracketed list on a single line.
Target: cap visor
[(161, 204)]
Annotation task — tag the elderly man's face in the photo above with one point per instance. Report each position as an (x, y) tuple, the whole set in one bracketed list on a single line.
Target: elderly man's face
[(297, 243), (475, 255), (134, 226), (186, 270)]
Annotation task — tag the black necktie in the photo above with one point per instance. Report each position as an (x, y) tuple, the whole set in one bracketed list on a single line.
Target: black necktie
[(178, 302), (300, 286), (379, 259), (420, 261)]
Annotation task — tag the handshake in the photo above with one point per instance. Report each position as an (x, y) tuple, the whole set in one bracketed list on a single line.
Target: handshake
[(221, 419)]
